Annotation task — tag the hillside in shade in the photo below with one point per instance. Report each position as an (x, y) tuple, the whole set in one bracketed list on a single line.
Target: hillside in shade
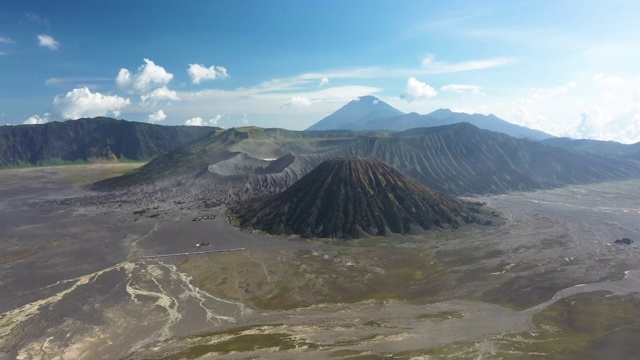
[(88, 140), (353, 198), (462, 159), (455, 159), (608, 148)]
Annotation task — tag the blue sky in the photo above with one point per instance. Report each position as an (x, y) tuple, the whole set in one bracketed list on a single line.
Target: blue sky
[(565, 67)]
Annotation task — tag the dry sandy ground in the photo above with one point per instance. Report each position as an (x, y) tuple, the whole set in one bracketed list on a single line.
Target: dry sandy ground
[(74, 283)]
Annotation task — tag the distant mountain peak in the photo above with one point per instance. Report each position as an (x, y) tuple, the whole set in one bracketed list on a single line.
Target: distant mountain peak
[(441, 113), (367, 98), (361, 109)]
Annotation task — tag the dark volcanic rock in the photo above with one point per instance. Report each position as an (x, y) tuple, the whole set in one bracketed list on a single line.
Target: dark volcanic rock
[(352, 198), (625, 241)]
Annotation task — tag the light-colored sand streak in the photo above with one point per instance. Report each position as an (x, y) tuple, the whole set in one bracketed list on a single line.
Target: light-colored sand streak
[(629, 284), (202, 296), (166, 281), (164, 300), (15, 317)]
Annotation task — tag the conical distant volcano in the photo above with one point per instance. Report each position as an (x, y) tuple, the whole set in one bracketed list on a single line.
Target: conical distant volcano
[(360, 110), (352, 198)]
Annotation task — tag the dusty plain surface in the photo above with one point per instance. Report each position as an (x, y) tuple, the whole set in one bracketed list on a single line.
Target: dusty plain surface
[(545, 280)]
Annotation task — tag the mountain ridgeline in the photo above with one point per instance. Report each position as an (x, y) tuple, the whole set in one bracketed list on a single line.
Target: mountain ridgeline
[(89, 140), (454, 159), (368, 113), (609, 148), (462, 159), (354, 198)]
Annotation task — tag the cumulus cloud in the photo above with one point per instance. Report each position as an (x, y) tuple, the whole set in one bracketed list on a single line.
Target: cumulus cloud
[(81, 102), (198, 121), (37, 119), (296, 102), (157, 116), (194, 121), (416, 90), (160, 94), (215, 120), (461, 89), (148, 76), (324, 81), (48, 42), (599, 123), (200, 73)]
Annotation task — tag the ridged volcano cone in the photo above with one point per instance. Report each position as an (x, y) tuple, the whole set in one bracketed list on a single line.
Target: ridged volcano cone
[(352, 198)]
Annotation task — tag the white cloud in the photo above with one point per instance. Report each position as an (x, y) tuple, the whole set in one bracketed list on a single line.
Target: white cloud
[(160, 94), (198, 121), (599, 123), (601, 107), (432, 66), (324, 81), (146, 78), (37, 119), (6, 40), (123, 80), (461, 89), (81, 102), (416, 90), (245, 120), (195, 121), (592, 121), (215, 120), (157, 116), (296, 102), (199, 73), (48, 42)]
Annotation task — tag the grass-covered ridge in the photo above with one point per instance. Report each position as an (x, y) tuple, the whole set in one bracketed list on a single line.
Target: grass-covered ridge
[(90, 141)]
